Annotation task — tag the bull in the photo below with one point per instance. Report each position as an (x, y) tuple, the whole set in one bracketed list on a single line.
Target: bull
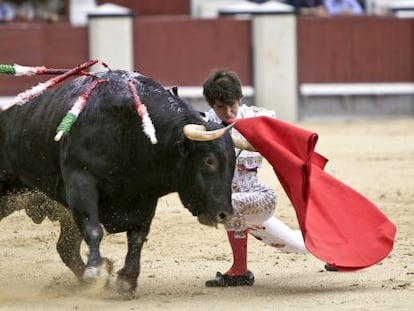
[(106, 172)]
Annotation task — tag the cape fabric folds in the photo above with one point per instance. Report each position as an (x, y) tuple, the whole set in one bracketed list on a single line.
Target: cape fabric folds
[(339, 225)]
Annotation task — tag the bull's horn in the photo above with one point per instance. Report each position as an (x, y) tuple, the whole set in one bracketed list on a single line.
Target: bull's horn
[(199, 133), (242, 144)]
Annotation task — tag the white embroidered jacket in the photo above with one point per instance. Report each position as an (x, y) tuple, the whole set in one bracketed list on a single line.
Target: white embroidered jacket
[(246, 160)]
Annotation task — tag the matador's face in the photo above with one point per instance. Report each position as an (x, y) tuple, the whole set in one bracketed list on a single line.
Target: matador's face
[(226, 111)]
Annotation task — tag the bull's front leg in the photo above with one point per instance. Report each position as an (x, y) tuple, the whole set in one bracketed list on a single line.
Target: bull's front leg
[(83, 200), (127, 280)]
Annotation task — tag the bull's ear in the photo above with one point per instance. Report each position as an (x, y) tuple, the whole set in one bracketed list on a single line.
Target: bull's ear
[(174, 90), (185, 146)]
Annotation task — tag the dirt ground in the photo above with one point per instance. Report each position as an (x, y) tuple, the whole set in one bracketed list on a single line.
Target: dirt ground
[(374, 157)]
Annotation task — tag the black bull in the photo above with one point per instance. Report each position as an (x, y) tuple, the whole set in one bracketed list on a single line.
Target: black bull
[(106, 171)]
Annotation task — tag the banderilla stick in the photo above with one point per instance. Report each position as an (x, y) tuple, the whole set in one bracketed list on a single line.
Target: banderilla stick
[(19, 70), (35, 91)]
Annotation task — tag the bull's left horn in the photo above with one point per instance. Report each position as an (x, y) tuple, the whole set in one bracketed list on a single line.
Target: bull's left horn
[(242, 144), (199, 133)]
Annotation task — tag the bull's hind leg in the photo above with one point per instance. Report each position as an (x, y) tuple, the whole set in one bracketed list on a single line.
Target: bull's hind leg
[(5, 208), (38, 206), (82, 198), (3, 186), (69, 243)]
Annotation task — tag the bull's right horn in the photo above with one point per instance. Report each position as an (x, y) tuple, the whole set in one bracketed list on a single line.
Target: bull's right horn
[(199, 133)]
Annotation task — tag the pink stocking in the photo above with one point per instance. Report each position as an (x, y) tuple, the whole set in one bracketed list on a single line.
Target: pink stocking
[(239, 247)]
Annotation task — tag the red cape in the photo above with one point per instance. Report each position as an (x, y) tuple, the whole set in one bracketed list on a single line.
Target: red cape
[(339, 225)]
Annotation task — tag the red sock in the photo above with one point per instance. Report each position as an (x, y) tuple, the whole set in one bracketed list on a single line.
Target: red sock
[(239, 248)]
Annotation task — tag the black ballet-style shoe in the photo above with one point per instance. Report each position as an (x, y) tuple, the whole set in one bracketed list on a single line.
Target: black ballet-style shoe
[(225, 280), (329, 267)]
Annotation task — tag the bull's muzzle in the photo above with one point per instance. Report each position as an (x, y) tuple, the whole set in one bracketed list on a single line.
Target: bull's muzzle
[(220, 218)]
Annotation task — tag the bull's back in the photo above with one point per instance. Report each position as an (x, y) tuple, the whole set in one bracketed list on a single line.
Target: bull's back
[(29, 156), (107, 139)]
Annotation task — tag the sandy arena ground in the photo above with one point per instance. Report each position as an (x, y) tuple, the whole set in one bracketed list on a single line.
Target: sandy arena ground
[(374, 157)]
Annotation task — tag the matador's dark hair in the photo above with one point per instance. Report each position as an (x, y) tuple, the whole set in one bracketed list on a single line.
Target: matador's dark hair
[(224, 86)]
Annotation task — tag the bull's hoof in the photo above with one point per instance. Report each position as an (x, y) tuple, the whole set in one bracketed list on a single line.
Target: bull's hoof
[(126, 289), (99, 275)]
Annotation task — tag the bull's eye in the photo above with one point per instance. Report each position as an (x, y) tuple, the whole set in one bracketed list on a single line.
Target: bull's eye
[(211, 162)]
